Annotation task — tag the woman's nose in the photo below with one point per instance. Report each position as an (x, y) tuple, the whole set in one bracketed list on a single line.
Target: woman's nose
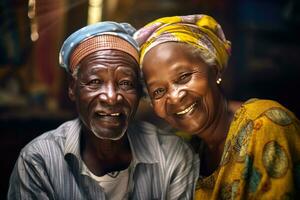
[(175, 95)]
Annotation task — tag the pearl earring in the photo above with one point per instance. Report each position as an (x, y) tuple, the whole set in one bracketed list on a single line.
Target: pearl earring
[(219, 81)]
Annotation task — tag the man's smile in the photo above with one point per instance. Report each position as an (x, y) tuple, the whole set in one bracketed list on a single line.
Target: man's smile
[(109, 114)]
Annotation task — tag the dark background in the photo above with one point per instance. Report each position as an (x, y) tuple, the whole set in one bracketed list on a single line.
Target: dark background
[(33, 99)]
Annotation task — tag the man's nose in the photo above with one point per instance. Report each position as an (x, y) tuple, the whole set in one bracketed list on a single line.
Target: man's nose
[(110, 94)]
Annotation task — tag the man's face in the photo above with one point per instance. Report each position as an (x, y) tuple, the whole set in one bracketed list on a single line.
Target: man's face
[(106, 91)]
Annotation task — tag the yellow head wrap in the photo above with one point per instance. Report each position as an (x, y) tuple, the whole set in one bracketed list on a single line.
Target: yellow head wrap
[(201, 31)]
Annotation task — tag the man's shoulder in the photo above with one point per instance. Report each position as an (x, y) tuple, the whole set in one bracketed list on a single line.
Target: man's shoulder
[(147, 128), (51, 140), (166, 138), (150, 141)]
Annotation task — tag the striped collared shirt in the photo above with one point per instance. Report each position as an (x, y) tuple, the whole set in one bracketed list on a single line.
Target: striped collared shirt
[(50, 166)]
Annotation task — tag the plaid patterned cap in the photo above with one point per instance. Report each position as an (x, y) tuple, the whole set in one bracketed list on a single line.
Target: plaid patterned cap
[(95, 37)]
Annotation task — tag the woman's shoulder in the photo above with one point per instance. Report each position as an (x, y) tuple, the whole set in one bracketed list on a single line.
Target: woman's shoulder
[(266, 116), (268, 119), (261, 105), (256, 108)]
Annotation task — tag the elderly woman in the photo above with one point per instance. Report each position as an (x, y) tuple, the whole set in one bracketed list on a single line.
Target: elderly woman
[(252, 151)]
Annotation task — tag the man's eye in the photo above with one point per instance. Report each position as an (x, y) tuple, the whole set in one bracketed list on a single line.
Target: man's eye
[(184, 78), (158, 93), (94, 83), (126, 85)]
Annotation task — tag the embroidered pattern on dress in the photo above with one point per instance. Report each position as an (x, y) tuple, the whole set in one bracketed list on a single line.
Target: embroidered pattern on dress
[(275, 159)]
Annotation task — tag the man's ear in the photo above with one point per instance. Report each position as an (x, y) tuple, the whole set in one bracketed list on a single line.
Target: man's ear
[(71, 88)]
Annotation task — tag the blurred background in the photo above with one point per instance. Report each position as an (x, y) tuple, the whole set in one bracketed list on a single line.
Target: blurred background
[(33, 90)]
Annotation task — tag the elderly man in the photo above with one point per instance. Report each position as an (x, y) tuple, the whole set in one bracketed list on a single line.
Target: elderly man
[(103, 154)]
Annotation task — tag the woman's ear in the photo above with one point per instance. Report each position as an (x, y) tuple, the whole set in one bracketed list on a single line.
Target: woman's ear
[(217, 74), (216, 71), (71, 88)]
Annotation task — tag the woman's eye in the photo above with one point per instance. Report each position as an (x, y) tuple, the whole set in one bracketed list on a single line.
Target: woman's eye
[(126, 85), (184, 78), (158, 93)]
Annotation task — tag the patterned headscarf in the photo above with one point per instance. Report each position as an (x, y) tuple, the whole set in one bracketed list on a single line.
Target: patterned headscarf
[(95, 37), (201, 31)]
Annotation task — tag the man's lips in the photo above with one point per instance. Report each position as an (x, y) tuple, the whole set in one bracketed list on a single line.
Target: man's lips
[(113, 114), (110, 119)]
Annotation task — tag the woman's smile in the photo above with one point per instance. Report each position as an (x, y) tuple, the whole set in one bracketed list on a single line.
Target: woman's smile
[(188, 110)]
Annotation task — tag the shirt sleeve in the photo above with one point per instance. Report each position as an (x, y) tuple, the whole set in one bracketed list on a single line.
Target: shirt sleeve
[(29, 179)]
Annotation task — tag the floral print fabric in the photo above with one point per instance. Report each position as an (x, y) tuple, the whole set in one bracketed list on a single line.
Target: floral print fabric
[(261, 158)]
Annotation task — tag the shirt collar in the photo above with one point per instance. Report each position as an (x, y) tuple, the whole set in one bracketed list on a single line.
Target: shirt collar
[(72, 145), (142, 137)]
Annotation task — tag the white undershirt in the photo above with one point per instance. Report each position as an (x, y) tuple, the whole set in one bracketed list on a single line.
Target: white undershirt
[(115, 184)]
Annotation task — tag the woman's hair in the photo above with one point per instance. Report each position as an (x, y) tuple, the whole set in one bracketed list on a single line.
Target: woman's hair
[(205, 55)]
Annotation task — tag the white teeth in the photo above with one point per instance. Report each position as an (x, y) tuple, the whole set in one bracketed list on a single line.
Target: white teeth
[(188, 109), (112, 114)]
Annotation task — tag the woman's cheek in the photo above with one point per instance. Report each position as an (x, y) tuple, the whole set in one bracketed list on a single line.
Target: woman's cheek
[(158, 108)]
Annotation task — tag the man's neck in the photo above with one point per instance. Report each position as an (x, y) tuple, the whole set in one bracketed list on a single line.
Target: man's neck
[(104, 156)]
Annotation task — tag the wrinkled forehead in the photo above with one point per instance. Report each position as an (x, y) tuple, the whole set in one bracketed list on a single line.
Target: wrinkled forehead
[(109, 60)]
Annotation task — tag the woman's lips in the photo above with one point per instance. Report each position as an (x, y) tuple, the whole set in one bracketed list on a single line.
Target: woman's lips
[(186, 110)]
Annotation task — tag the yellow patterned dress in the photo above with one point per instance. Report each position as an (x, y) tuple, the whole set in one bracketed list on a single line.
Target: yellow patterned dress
[(261, 158)]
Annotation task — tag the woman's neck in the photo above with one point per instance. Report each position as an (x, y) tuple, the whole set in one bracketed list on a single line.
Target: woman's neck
[(216, 134), (214, 138)]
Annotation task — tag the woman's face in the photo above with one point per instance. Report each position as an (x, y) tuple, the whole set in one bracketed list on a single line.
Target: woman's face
[(182, 87)]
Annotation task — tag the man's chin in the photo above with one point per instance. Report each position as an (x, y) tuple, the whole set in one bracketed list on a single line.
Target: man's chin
[(115, 133)]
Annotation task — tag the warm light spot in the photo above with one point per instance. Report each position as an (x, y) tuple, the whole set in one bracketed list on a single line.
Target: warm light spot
[(33, 22), (34, 36), (95, 11)]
